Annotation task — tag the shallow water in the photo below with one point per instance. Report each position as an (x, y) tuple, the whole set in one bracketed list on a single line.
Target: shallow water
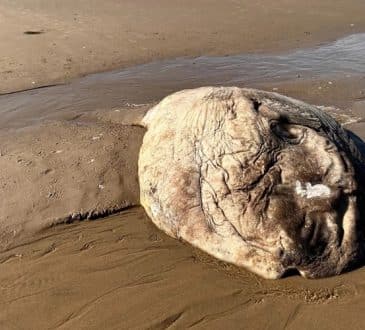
[(124, 272), (149, 82)]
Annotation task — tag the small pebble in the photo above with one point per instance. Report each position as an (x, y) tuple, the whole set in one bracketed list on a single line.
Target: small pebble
[(330, 83), (101, 186), (96, 138), (275, 89)]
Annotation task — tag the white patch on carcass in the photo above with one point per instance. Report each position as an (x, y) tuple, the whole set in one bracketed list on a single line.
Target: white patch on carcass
[(309, 191), (156, 209)]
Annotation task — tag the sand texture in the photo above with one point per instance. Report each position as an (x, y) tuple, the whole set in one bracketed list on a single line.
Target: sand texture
[(61, 172), (45, 42), (123, 273), (69, 153)]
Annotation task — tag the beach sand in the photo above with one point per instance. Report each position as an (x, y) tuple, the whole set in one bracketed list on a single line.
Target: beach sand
[(45, 42), (64, 159)]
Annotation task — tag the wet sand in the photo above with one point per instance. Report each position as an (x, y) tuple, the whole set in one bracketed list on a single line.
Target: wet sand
[(330, 74), (69, 153), (45, 42), (60, 172), (121, 271)]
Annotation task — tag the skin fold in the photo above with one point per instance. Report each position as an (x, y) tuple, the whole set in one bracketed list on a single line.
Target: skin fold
[(256, 179)]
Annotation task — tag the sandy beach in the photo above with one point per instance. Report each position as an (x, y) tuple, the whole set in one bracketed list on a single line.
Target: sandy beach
[(46, 42), (76, 249)]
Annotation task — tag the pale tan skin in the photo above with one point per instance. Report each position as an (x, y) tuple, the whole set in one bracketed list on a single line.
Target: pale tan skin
[(253, 178)]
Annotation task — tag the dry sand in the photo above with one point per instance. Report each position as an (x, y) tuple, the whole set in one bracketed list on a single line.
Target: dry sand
[(45, 42), (122, 272)]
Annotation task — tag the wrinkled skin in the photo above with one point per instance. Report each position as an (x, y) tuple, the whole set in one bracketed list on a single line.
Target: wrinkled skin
[(255, 179)]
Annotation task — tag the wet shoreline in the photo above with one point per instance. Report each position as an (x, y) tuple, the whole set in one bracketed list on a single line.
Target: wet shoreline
[(121, 270), (342, 60)]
